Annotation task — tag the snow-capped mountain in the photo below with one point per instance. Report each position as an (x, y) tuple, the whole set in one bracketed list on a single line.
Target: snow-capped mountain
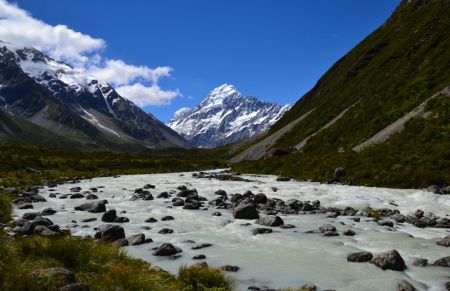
[(72, 105), (225, 116)]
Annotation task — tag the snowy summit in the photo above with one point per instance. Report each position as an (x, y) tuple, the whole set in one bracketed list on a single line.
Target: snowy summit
[(225, 116)]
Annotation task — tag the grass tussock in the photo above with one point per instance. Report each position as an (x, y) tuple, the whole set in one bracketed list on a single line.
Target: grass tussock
[(100, 266), (198, 278), (5, 208)]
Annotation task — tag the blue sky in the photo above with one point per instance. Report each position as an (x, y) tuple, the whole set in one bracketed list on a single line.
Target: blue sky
[(275, 50)]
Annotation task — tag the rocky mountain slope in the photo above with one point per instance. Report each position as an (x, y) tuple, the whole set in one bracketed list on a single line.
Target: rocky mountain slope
[(225, 116), (382, 111), (39, 92)]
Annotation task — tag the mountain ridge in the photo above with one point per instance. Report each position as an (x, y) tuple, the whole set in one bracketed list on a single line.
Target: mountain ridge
[(225, 116), (64, 101), (385, 77)]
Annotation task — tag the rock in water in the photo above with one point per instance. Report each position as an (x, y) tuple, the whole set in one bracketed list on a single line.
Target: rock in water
[(245, 210), (445, 242), (110, 233), (166, 249), (136, 239), (359, 257), (109, 216), (442, 262), (270, 221), (94, 207), (404, 285), (389, 261)]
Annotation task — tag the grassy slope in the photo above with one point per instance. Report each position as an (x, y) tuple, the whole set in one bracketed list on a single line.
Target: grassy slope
[(393, 70)]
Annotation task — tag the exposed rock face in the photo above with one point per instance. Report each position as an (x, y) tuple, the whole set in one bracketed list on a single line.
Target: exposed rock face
[(225, 116), (389, 261)]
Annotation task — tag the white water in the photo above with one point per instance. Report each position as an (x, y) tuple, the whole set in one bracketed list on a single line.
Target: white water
[(284, 258)]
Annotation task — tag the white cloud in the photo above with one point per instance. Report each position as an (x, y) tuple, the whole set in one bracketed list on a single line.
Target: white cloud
[(84, 52), (118, 73), (143, 96)]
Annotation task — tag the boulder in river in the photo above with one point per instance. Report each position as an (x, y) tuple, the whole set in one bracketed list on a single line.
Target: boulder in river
[(166, 231), (261, 230), (442, 262), (245, 210), (110, 233), (48, 211), (404, 285), (94, 206), (260, 198), (151, 220), (270, 220), (136, 239), (391, 260), (445, 242), (109, 216), (359, 257), (167, 249)]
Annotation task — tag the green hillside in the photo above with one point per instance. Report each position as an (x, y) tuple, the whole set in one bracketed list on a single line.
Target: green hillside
[(387, 75)]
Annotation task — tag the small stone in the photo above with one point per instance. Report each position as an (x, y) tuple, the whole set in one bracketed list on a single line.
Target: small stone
[(165, 231), (167, 218), (261, 230), (349, 232), (199, 257)]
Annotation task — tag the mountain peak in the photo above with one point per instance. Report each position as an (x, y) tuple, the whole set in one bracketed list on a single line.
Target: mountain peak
[(223, 91), (225, 116)]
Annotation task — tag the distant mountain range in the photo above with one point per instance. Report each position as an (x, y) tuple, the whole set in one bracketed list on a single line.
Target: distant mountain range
[(225, 116), (44, 101)]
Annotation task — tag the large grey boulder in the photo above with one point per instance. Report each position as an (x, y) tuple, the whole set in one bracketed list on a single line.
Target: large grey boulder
[(110, 233), (245, 210), (359, 257), (442, 262), (166, 249), (109, 216), (270, 221), (391, 260), (94, 206)]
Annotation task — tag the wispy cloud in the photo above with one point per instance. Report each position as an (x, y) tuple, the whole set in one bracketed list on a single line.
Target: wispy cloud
[(84, 52)]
